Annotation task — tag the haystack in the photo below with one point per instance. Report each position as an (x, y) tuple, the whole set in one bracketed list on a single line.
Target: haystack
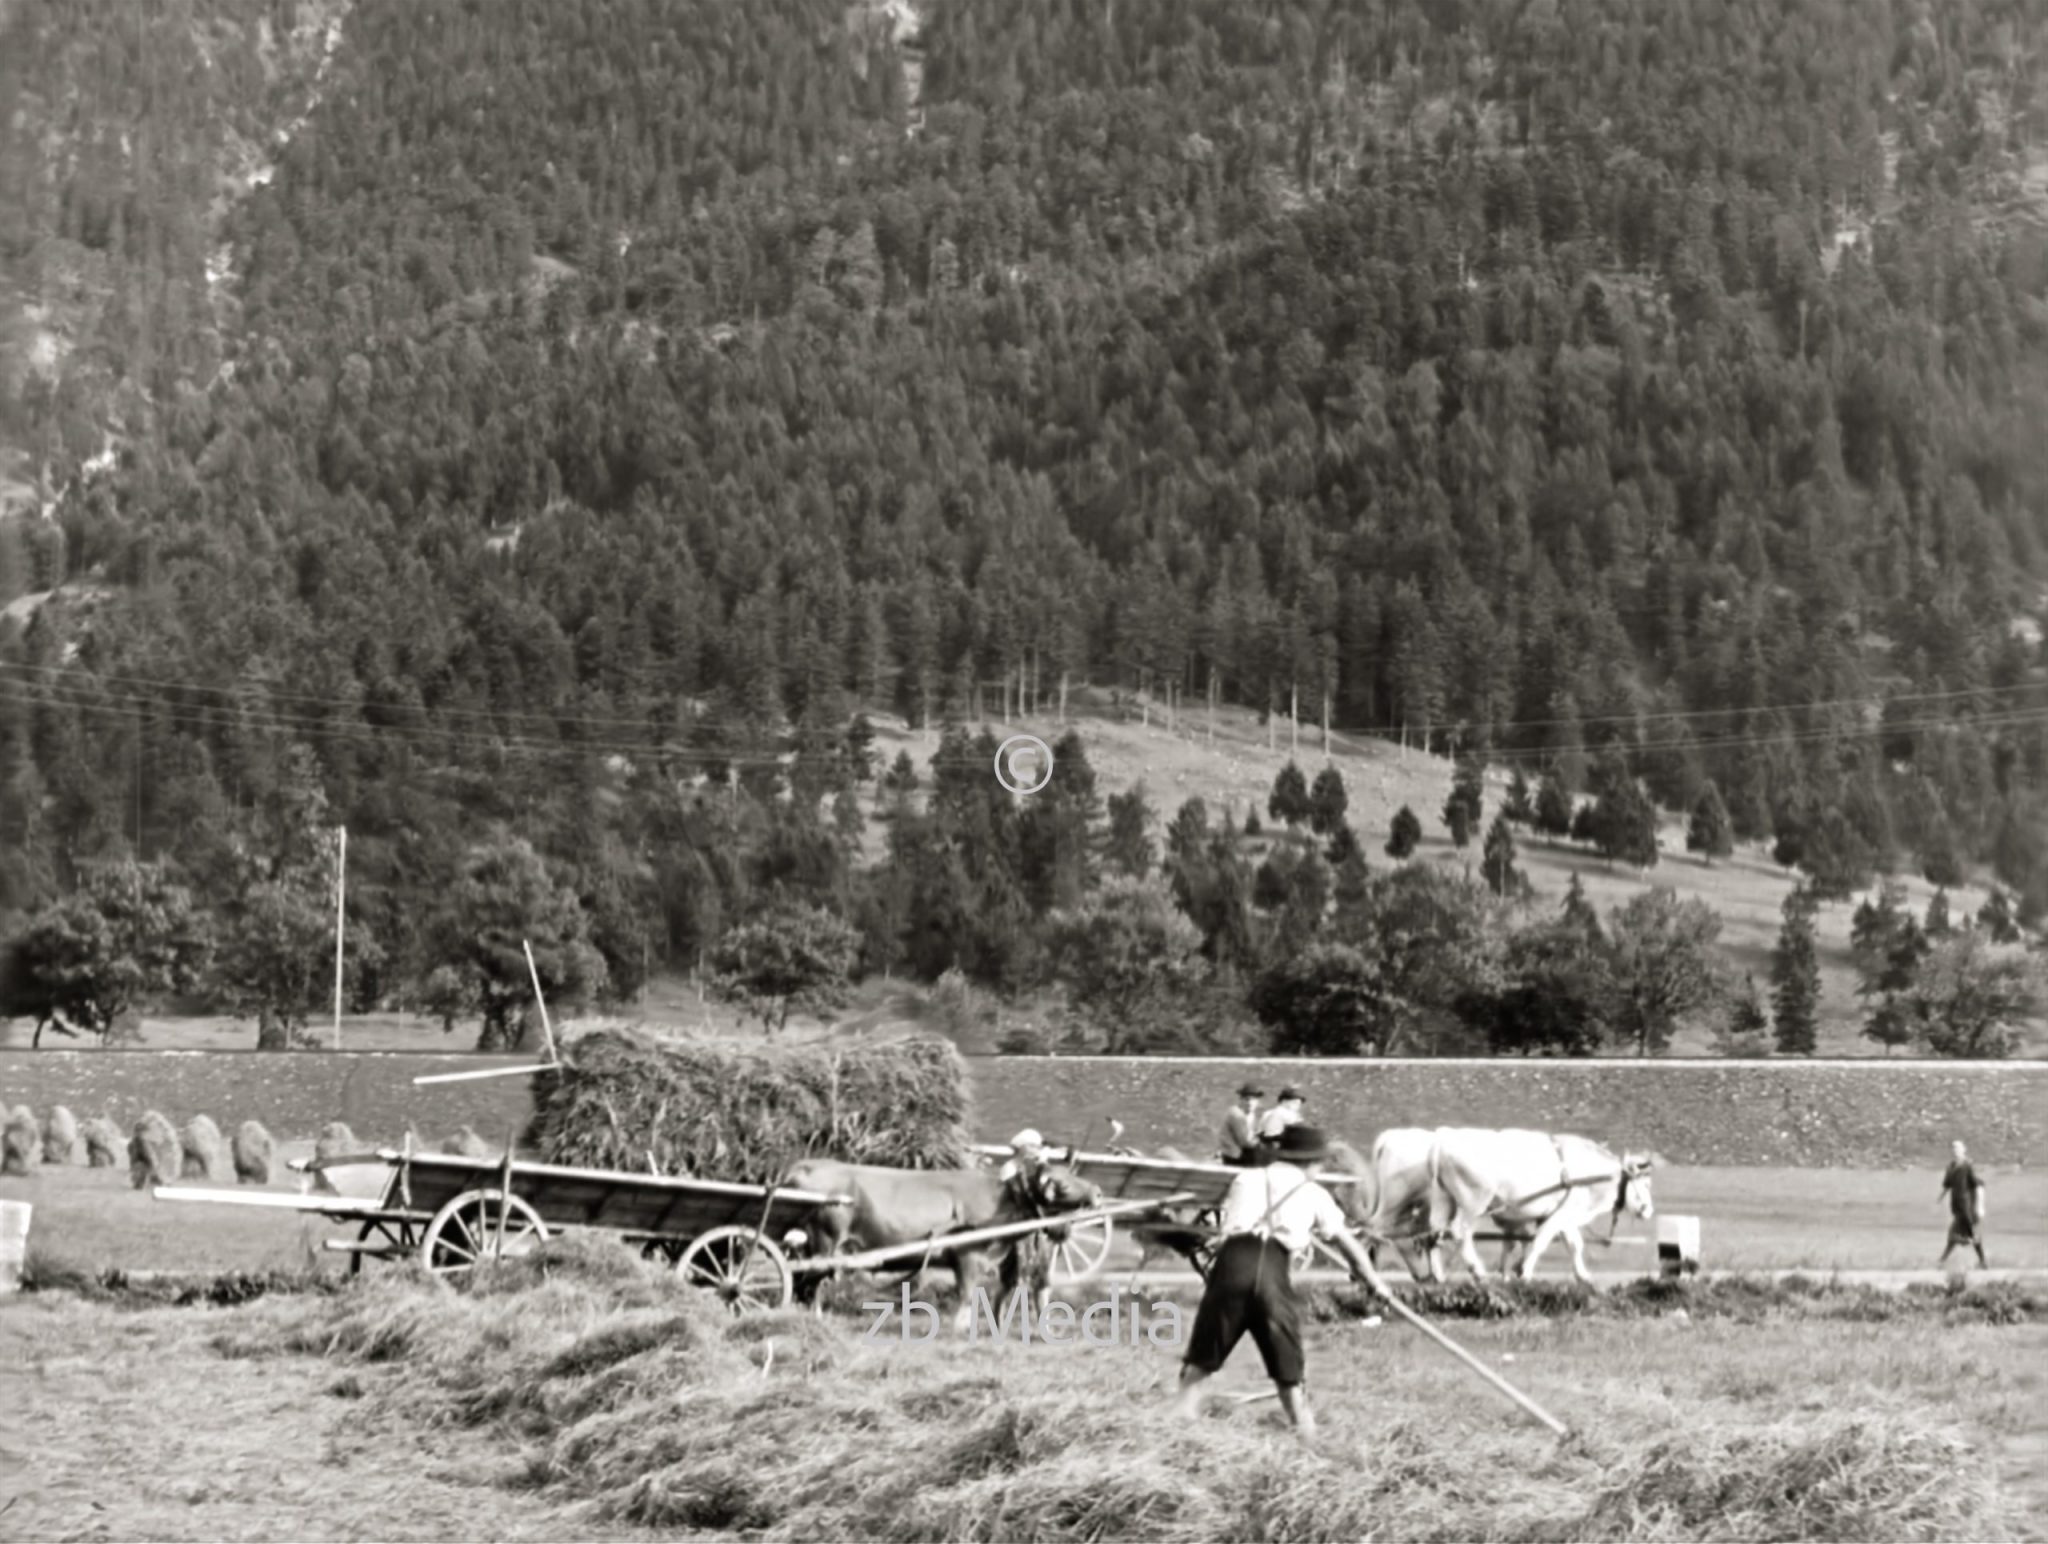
[(724, 1112), (60, 1137), (253, 1153), (154, 1153), (21, 1142), (336, 1141), (206, 1150), (104, 1147)]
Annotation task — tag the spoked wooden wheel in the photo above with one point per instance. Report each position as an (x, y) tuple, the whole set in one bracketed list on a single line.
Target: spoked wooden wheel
[(389, 1239), (749, 1273), (476, 1226), (1080, 1252)]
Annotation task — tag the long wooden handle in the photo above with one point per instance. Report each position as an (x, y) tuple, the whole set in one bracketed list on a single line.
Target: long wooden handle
[(1473, 1362)]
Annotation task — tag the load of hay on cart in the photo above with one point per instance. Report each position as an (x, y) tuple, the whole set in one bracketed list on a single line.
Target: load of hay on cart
[(454, 1214)]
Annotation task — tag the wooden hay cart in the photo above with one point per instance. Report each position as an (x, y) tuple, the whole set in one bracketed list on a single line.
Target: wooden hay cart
[(453, 1214)]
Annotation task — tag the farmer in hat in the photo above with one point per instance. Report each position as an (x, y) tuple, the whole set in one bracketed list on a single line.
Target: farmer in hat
[(1276, 1120), (1270, 1215), (1027, 1165), (1240, 1127)]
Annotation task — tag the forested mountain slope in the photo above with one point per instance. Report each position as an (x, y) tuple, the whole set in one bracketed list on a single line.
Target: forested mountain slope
[(589, 395)]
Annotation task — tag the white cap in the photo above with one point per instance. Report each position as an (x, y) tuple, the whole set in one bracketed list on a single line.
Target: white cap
[(1028, 1137)]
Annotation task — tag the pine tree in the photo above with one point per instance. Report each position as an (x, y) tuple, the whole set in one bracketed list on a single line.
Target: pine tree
[(1289, 801), (1747, 1031), (1709, 833), (1795, 976), (1327, 802), (1407, 832), (1553, 807), (1498, 867), (1938, 924), (1579, 913), (1343, 847), (1465, 807), (1996, 918), (1521, 805), (1129, 849)]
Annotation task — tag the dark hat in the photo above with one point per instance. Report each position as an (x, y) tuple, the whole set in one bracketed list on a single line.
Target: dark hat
[(1292, 1093), (1247, 1090), (1301, 1142)]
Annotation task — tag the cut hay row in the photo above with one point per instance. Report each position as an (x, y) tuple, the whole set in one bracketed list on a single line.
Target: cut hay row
[(105, 1147), (728, 1113), (21, 1142), (157, 1152), (632, 1395), (60, 1137), (206, 1152), (155, 1155)]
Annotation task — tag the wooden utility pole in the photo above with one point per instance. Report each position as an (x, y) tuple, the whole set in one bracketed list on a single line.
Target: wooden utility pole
[(1294, 719), (340, 901)]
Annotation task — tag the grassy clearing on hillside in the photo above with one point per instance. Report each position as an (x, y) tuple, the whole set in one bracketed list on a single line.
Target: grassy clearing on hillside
[(614, 1401)]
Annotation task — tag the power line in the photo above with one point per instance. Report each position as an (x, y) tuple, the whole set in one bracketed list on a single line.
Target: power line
[(639, 721), (230, 717)]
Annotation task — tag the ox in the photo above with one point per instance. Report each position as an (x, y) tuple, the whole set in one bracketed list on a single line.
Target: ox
[(898, 1207), (1555, 1184)]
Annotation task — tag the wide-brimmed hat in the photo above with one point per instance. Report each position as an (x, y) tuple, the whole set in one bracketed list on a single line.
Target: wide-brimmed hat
[(1028, 1137), (1248, 1091), (1300, 1143), (1292, 1093)]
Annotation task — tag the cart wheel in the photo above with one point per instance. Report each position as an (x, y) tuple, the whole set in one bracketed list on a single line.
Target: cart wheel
[(749, 1273), (1081, 1254), (479, 1225)]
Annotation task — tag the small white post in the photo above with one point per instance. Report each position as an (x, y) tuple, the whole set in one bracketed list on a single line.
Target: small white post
[(340, 900)]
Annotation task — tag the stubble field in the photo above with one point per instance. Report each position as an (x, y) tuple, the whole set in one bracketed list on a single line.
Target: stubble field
[(580, 1395)]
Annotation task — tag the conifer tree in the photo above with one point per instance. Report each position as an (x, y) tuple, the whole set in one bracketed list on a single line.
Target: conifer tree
[(1795, 976), (1498, 866), (1553, 807), (1327, 801), (1406, 834), (1709, 833), (1289, 801)]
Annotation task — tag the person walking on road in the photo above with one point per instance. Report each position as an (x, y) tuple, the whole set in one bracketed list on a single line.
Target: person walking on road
[(1270, 1215), (1240, 1140), (1964, 1192)]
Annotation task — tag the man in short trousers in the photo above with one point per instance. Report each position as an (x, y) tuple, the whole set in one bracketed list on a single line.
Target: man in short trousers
[(1270, 1215)]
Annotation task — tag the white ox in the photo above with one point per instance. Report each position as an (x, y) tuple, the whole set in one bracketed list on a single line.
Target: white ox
[(1534, 1185)]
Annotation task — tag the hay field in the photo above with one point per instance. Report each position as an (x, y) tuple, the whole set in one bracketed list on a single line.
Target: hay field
[(581, 1396)]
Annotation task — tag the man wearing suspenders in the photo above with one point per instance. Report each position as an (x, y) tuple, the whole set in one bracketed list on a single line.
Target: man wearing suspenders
[(1270, 1215)]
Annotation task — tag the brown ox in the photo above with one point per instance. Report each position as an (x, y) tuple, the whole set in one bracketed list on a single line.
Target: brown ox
[(893, 1208)]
